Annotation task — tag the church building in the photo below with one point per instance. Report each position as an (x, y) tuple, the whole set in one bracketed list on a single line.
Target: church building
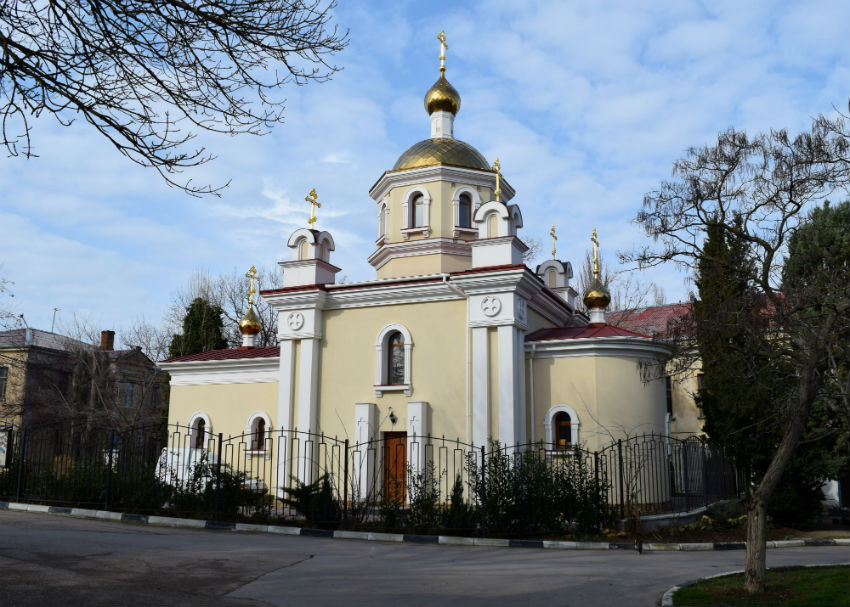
[(455, 336)]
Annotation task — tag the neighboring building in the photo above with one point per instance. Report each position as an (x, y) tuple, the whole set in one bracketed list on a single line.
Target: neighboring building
[(455, 337), (682, 378), (45, 377)]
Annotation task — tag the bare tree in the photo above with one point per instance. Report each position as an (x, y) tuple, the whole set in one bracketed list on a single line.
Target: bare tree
[(144, 73), (228, 291), (758, 189), (529, 258), (8, 320), (626, 290)]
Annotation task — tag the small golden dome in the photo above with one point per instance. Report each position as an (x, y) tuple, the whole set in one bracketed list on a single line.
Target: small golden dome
[(442, 96), (441, 150), (250, 323), (597, 296)]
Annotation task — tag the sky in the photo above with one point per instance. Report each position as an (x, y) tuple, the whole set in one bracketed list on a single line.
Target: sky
[(586, 104)]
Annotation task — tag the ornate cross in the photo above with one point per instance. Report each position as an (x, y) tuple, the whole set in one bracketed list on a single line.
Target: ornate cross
[(252, 274), (554, 238), (443, 48), (311, 198), (595, 242), (498, 170)]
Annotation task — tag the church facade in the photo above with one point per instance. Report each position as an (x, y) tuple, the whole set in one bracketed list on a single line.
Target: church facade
[(455, 337)]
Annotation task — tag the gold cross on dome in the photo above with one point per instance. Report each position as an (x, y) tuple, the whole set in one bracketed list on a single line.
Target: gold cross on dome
[(443, 48), (595, 242), (497, 168), (311, 198), (554, 238), (252, 274)]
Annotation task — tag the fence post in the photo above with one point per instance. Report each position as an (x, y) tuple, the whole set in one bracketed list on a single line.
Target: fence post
[(483, 493), (598, 490), (620, 466), (345, 489), (109, 470), (704, 476), (20, 481), (687, 483), (218, 476)]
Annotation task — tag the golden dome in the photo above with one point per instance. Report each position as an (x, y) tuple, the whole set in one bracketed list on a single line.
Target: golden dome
[(250, 323), (596, 296), (442, 150), (442, 96)]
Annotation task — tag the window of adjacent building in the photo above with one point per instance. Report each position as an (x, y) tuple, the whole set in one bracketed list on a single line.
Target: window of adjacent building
[(563, 430), (668, 383), (418, 211), (129, 394), (464, 211), (395, 359), (200, 431), (700, 381), (4, 380), (258, 434)]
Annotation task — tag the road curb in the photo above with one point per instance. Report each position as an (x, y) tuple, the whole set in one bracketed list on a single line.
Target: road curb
[(407, 538), (667, 597)]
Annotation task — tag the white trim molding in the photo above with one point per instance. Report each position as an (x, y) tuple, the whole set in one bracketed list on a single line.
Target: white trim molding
[(440, 172), (382, 360), (475, 202), (408, 225), (413, 248), (625, 347), (574, 424), (217, 372)]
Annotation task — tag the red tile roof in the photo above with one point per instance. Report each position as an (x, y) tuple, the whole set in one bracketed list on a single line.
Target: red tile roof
[(591, 330), (655, 320), (228, 354)]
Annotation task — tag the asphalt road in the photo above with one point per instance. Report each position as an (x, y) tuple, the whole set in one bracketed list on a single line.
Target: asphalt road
[(53, 560)]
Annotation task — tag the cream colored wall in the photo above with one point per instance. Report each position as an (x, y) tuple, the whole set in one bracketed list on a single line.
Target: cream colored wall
[(228, 406), (420, 265), (438, 365), (606, 392)]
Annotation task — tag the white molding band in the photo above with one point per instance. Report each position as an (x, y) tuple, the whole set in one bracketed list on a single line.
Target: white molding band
[(382, 360), (626, 347), (440, 172), (220, 372)]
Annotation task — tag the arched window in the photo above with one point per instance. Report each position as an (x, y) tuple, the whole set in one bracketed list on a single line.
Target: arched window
[(258, 435), (395, 359), (418, 210), (492, 225), (464, 210), (302, 249), (553, 279), (200, 433), (393, 364), (563, 430)]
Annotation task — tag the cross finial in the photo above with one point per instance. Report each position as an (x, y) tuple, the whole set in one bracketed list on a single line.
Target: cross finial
[(443, 48), (554, 238), (595, 242), (497, 168), (311, 198), (252, 274)]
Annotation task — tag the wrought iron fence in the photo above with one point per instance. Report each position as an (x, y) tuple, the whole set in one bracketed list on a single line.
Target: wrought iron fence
[(415, 483)]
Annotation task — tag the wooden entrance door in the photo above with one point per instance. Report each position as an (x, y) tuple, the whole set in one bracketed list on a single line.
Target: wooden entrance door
[(395, 467)]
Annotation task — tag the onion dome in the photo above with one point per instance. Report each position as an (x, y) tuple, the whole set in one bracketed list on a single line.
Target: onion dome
[(597, 296), (441, 150), (250, 323), (442, 97)]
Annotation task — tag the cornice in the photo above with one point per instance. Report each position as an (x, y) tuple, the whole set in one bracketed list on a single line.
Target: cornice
[(619, 347), (296, 299), (211, 372), (392, 294), (412, 248), (439, 172)]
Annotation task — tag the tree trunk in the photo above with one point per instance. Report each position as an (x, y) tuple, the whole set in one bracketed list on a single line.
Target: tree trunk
[(757, 510), (756, 545)]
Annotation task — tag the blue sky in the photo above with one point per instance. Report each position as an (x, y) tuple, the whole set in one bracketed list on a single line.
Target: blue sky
[(587, 105)]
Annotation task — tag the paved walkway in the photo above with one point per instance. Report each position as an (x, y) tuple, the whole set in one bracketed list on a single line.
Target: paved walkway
[(53, 560)]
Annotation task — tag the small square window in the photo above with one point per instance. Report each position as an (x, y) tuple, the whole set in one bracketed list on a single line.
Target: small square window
[(4, 380)]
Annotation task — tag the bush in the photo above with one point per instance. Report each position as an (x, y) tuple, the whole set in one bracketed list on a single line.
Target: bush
[(315, 502)]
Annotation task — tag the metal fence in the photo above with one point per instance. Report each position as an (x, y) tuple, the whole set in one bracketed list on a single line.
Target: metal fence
[(394, 481)]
